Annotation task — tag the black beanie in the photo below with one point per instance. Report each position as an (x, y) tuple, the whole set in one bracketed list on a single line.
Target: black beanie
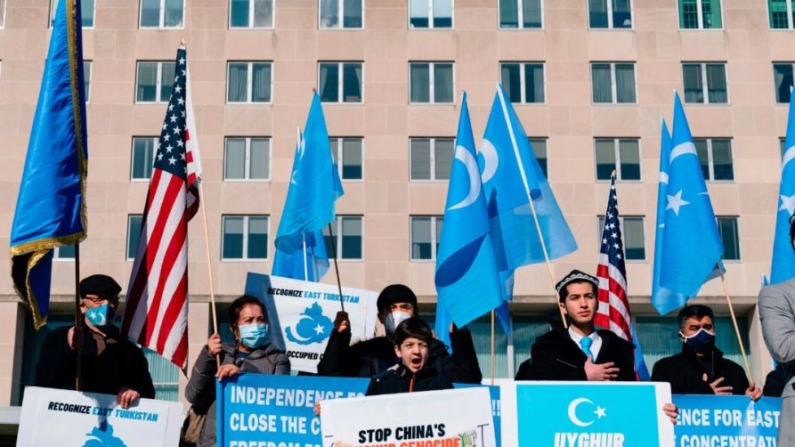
[(396, 293)]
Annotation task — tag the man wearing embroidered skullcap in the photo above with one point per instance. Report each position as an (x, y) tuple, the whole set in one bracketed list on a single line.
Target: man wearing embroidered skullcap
[(110, 363)]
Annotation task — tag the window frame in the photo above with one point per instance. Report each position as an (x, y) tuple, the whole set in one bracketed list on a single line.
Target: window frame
[(523, 77), (610, 24), (162, 18), (249, 83), (711, 160), (156, 141), (431, 159), (127, 246), (158, 81), (736, 220), (246, 235), (341, 82), (544, 168), (432, 82), (600, 220), (340, 18), (338, 237), (339, 157), (251, 18), (775, 87), (434, 240), (790, 20), (705, 84), (700, 17), (520, 12), (617, 159), (431, 17), (247, 159), (53, 5), (614, 84)]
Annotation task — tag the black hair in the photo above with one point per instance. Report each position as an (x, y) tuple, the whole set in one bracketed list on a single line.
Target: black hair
[(564, 291), (413, 327), (792, 229), (698, 311), (240, 303)]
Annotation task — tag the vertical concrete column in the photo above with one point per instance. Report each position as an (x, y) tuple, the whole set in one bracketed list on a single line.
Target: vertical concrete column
[(199, 325), (12, 338)]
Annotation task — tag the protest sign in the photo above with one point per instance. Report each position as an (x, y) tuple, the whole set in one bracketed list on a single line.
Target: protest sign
[(301, 315), (53, 417), (727, 421), (573, 414), (259, 410), (448, 418)]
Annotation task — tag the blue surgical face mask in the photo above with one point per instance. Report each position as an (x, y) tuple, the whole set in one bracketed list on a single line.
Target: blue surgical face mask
[(701, 341), (253, 336), (100, 316)]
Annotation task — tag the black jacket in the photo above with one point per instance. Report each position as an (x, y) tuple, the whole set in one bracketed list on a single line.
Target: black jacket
[(555, 356), (119, 364), (371, 357), (400, 379), (684, 371)]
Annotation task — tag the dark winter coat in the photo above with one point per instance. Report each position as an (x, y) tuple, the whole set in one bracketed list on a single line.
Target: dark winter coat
[(684, 371), (109, 363), (200, 391), (555, 356), (400, 379), (372, 357)]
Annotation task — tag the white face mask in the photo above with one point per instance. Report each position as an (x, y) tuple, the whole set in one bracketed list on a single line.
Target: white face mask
[(394, 319)]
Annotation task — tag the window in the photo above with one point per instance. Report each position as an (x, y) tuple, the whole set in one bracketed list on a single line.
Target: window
[(245, 237), (610, 13), (700, 14), (705, 83), (2, 13), (618, 154), (341, 82), (425, 234), (781, 13), (782, 141), (162, 13), (715, 157), (730, 236), (540, 150), (431, 158), (431, 82), (250, 13), (87, 79), (631, 236), (351, 12), (66, 252), (154, 82), (134, 222), (142, 158), (87, 11), (347, 238), (431, 14), (520, 13), (523, 82), (782, 77), (248, 82), (350, 151), (247, 158), (613, 83)]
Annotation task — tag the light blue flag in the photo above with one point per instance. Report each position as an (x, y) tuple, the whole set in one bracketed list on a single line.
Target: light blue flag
[(691, 247), (467, 280), (783, 266), (314, 187), (50, 210), (664, 300), (510, 173)]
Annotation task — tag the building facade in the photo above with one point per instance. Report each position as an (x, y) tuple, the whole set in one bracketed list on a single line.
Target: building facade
[(590, 80)]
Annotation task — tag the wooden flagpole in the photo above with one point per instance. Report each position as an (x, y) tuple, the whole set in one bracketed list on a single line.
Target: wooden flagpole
[(736, 327)]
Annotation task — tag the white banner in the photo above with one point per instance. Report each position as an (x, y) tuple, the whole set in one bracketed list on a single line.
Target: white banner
[(53, 417), (449, 418), (301, 315)]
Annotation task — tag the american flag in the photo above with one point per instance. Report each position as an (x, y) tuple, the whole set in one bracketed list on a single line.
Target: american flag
[(613, 311), (157, 295)]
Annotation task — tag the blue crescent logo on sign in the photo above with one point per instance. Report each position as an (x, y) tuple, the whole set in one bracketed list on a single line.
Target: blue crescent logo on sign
[(314, 327)]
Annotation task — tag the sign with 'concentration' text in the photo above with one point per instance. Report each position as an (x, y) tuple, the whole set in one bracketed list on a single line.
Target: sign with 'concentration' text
[(717, 421)]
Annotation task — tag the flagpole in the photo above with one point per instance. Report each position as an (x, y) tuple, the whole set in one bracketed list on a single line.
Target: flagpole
[(306, 267), (209, 266), (78, 323), (336, 267), (492, 347), (736, 326), (530, 200)]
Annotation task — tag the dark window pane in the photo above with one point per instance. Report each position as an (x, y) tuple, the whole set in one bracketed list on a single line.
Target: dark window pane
[(146, 90), (420, 75), (257, 237), (143, 150), (625, 83), (166, 81), (261, 83), (602, 85), (534, 83), (66, 252), (511, 82), (418, 13), (622, 14), (710, 10), (632, 231), (258, 160), (605, 159), (778, 14), (420, 159), (597, 13), (239, 13), (509, 14), (782, 76), (722, 164), (351, 238), (443, 83), (420, 238), (150, 13), (233, 238), (531, 10), (442, 13), (730, 237), (237, 88), (716, 84), (329, 13), (694, 91), (352, 87), (688, 14), (352, 14), (133, 235), (352, 159), (173, 15), (443, 158), (329, 82), (703, 157), (629, 154), (235, 162), (540, 150)]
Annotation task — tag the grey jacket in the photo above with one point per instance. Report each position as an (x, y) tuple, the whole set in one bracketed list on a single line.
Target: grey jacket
[(777, 314), (200, 390)]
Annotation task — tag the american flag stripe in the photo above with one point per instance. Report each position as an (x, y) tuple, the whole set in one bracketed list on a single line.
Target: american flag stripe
[(157, 297)]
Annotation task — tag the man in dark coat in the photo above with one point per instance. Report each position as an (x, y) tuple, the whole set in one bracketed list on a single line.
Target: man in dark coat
[(700, 368), (371, 357), (580, 352), (111, 364)]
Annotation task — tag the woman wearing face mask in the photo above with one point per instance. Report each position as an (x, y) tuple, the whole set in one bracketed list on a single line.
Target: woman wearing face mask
[(252, 352)]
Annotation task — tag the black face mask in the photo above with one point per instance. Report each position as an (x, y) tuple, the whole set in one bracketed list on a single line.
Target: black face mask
[(701, 341)]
